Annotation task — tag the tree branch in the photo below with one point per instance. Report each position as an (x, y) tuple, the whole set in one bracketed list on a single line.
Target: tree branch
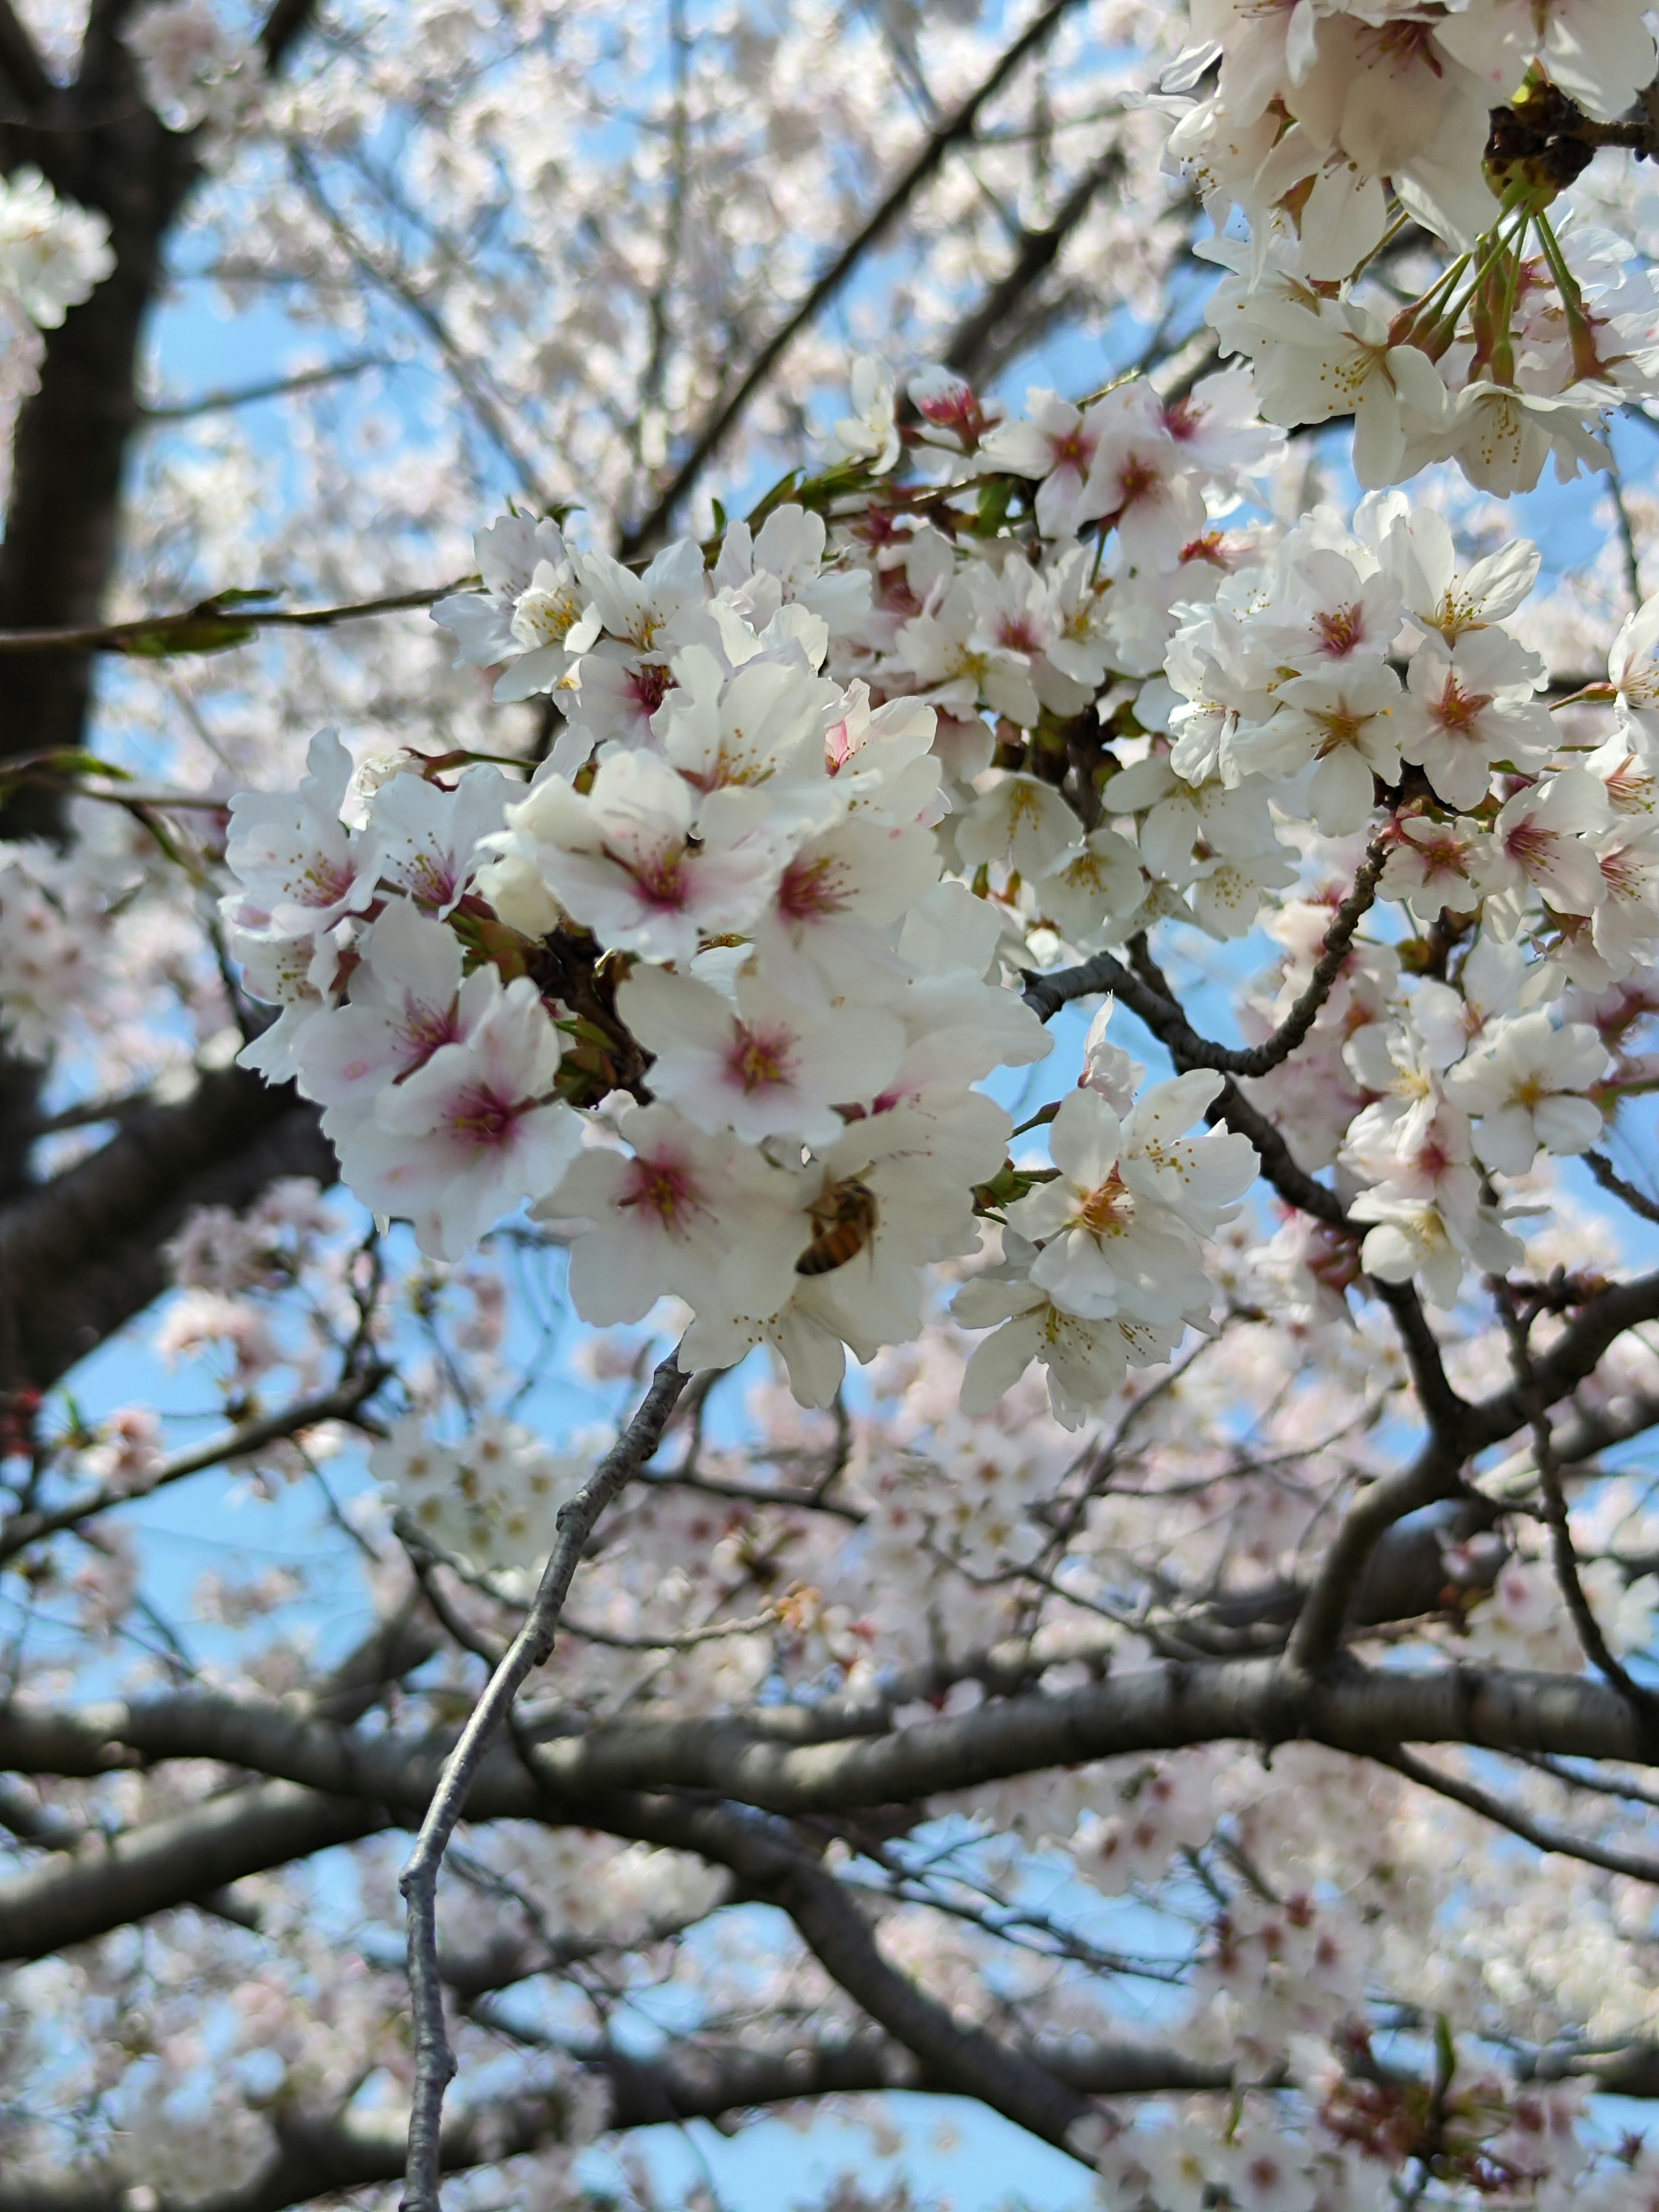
[(1519, 1823), (334, 1780), (280, 387), (339, 1404), (975, 335), (434, 2061), (920, 170), (209, 626), (955, 2056), (1047, 994), (82, 1253), (317, 2154)]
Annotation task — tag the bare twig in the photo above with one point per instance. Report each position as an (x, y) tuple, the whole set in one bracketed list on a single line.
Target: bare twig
[(434, 2061), (247, 395), (151, 634), (1047, 994), (1519, 1823), (1564, 1558), (339, 1404), (1626, 529), (1612, 1181), (957, 128)]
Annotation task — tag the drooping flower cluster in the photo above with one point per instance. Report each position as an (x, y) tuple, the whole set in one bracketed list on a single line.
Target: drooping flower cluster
[(1335, 127)]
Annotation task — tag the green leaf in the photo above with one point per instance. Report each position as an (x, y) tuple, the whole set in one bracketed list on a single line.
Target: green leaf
[(176, 639)]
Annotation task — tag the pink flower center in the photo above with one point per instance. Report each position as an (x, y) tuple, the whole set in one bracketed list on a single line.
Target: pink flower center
[(1137, 480), (663, 1187), (1075, 450), (761, 1060), (324, 882), (483, 1118), (1181, 419), (1457, 712), (661, 879), (650, 685), (1530, 845), (810, 889), (425, 1028), (432, 878), (1340, 629)]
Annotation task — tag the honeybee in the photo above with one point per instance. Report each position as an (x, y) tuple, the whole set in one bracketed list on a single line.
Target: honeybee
[(844, 1217)]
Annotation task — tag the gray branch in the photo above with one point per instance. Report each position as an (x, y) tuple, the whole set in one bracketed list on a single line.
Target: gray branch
[(434, 2061), (327, 1782)]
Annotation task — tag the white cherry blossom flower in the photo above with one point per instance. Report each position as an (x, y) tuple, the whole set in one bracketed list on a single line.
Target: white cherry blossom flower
[(1436, 864), (1544, 843), (1600, 53), (954, 652), (294, 856), (1342, 719), (430, 838), (53, 252), (640, 609), (1311, 365), (768, 1065), (508, 553), (1413, 1239), (1107, 1067), (620, 857), (407, 1000), (1416, 547), (681, 1212), (1633, 670), (470, 1133), (1055, 442), (870, 433), (1522, 1084), (1461, 714), (1020, 820)]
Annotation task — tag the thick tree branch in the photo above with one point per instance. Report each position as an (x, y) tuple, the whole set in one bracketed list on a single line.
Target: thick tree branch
[(317, 2154), (981, 334), (339, 1780), (956, 2056), (81, 1255)]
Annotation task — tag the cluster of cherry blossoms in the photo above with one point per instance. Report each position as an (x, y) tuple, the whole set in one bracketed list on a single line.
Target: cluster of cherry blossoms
[(192, 69), (716, 992), (53, 254), (1335, 130)]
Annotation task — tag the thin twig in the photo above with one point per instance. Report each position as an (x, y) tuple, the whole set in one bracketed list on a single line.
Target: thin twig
[(957, 128), (1564, 1558), (434, 2061), (1518, 1823), (1047, 994), (150, 630), (1627, 531), (1611, 1181), (340, 1404), (279, 388)]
